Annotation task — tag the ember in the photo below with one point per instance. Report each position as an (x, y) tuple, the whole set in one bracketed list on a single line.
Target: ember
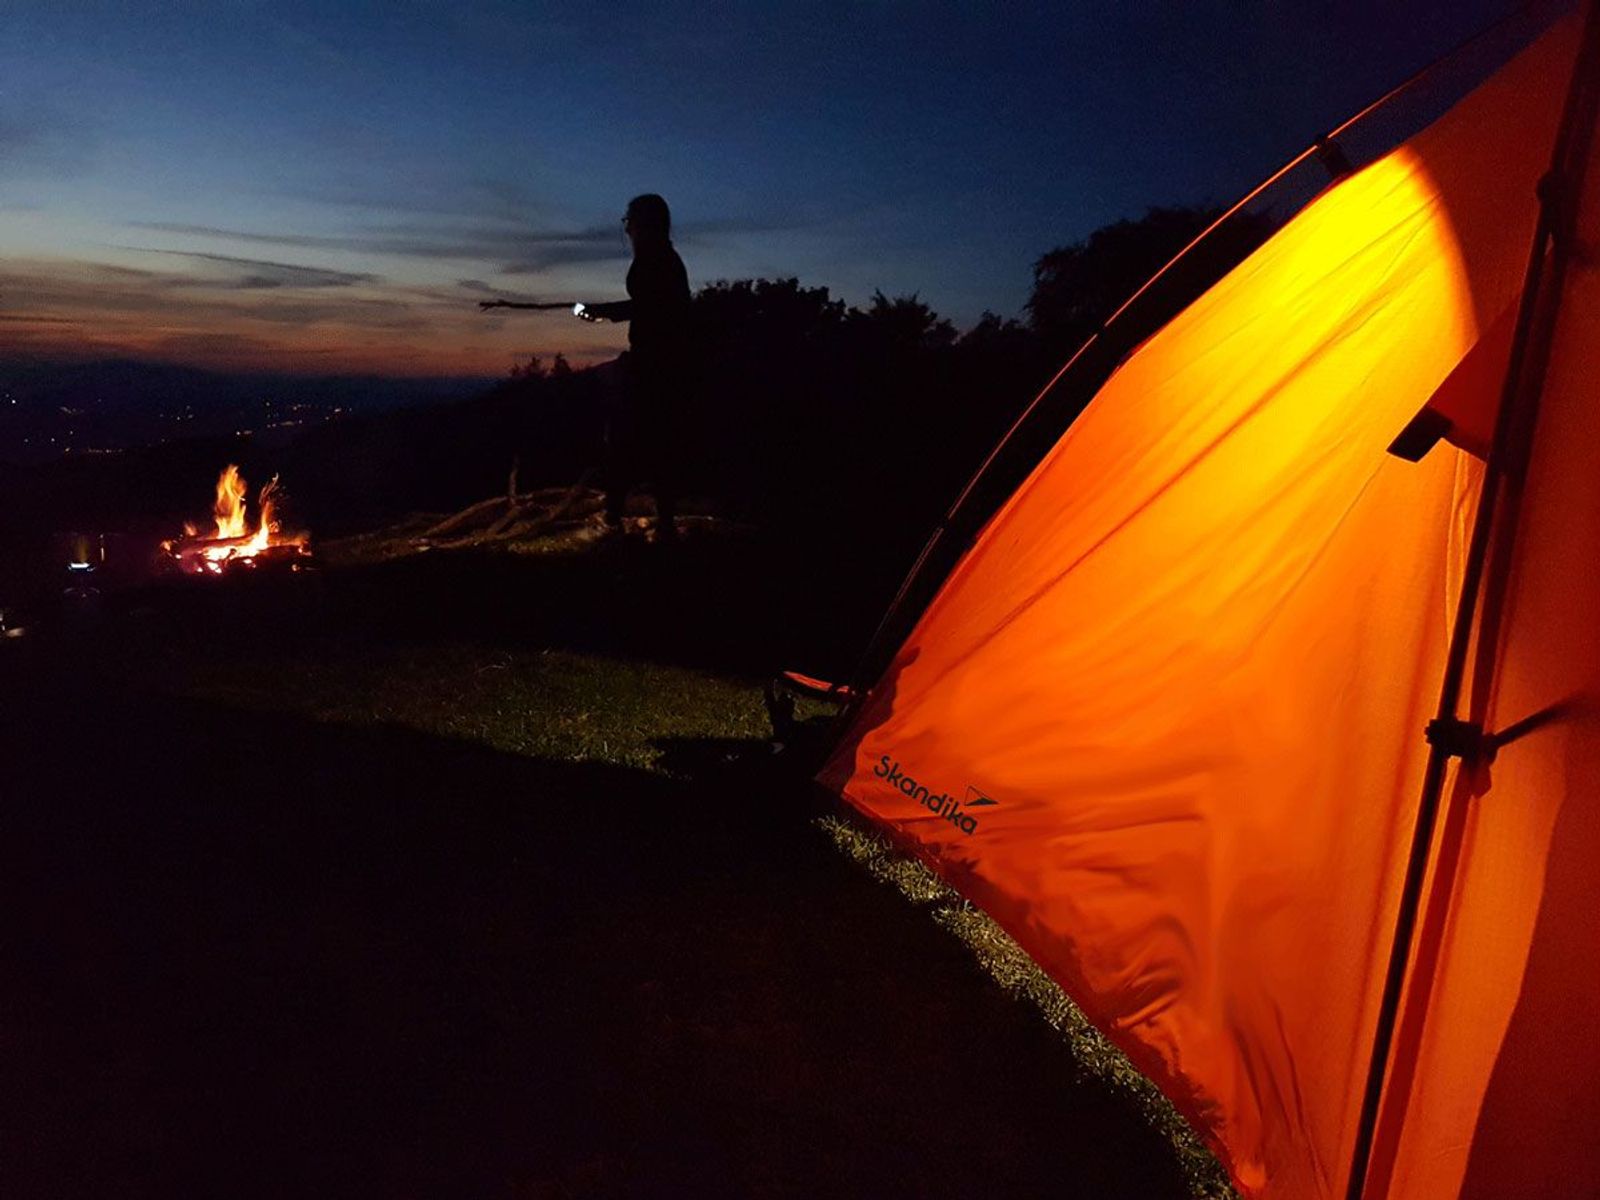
[(234, 543)]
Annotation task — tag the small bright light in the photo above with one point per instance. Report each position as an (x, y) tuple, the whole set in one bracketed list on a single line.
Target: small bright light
[(577, 309)]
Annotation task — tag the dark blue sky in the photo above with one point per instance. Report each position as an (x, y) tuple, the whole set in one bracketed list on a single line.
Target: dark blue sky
[(325, 186)]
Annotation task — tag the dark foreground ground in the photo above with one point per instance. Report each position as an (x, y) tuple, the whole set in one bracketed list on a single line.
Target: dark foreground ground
[(249, 951)]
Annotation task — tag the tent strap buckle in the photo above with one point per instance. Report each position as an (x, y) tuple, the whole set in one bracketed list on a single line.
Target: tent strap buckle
[(1333, 158), (1465, 740)]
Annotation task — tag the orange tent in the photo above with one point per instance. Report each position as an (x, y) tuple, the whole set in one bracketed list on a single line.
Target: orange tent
[(1165, 718)]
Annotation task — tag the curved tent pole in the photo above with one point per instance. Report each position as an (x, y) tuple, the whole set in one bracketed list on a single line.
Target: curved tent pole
[(949, 523), (1494, 525), (1324, 149)]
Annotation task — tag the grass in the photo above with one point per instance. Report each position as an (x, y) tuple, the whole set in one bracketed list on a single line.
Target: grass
[(573, 707), (999, 957), (553, 704), (729, 940)]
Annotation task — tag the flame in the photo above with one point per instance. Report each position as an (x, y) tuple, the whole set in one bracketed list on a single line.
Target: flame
[(267, 526), (233, 538), (229, 509)]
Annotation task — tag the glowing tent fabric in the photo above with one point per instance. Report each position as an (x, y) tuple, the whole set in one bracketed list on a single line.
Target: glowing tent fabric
[(1500, 1049), (1164, 720)]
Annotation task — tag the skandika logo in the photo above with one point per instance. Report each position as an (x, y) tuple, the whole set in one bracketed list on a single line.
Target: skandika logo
[(946, 805)]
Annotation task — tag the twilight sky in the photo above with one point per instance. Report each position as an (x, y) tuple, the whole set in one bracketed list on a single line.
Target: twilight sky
[(329, 187)]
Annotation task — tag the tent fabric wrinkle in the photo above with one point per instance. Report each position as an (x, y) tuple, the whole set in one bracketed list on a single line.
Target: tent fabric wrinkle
[(1510, 940), (1187, 664)]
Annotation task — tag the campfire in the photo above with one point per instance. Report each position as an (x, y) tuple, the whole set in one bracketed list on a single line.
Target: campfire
[(234, 543)]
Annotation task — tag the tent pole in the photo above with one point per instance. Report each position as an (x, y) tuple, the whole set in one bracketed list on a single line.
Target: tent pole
[(1324, 148), (1449, 736)]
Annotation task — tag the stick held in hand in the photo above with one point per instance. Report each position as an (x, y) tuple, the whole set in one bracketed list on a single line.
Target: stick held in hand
[(486, 305)]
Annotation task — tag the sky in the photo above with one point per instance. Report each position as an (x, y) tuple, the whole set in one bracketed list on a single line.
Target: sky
[(330, 187)]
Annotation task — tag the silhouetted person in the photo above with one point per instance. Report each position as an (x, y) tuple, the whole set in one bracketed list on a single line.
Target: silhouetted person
[(644, 438)]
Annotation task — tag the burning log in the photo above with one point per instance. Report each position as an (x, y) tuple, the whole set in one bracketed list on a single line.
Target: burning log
[(199, 545), (232, 544), (195, 555)]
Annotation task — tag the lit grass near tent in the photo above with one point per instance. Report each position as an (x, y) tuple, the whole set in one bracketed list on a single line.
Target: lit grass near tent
[(483, 854), (1009, 965), (552, 704), (583, 708)]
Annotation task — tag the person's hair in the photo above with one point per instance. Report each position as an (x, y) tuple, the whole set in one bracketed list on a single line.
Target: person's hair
[(649, 213)]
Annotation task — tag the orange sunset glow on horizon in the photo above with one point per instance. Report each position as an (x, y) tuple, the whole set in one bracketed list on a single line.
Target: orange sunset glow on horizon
[(238, 315)]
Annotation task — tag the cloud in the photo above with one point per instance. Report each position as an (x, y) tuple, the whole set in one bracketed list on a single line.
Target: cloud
[(258, 274), (479, 287), (234, 347), (266, 274), (511, 246), (240, 235), (114, 293), (519, 249), (446, 196), (74, 309), (563, 254), (37, 142)]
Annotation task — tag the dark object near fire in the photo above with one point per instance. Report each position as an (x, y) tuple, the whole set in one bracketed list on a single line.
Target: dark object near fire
[(98, 559)]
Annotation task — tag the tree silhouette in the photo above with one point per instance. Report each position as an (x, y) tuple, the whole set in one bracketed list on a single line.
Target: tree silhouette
[(1077, 287), (905, 322), (844, 432)]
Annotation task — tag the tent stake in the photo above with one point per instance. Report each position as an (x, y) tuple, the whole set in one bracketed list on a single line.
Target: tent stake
[(1450, 736)]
